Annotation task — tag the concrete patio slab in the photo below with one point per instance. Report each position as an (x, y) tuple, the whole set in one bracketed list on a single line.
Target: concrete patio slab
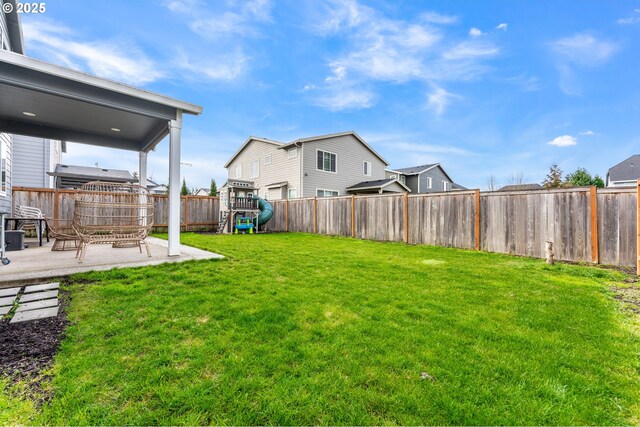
[(7, 301), (9, 292), (35, 314), (35, 305), (43, 287), (38, 296), (39, 263)]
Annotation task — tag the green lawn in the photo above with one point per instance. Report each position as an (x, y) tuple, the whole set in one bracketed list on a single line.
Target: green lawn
[(304, 329)]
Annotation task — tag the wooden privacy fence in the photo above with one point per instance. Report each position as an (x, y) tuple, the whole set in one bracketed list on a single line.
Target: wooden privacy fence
[(584, 224), (197, 213)]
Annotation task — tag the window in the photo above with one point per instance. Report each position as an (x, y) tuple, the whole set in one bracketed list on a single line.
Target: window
[(293, 193), (266, 195), (292, 153), (3, 169), (326, 193), (445, 186), (255, 168), (239, 171), (429, 182), (366, 168), (326, 161), (393, 176), (267, 159), (403, 179)]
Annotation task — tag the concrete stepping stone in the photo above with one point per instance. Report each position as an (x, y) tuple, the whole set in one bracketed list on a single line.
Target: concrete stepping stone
[(8, 292), (38, 296), (5, 310), (43, 313), (43, 287), (7, 301), (35, 305)]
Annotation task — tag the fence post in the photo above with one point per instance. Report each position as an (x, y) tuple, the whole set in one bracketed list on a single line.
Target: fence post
[(315, 214), (286, 215), (56, 204), (477, 221), (638, 228), (593, 196), (405, 217), (353, 216)]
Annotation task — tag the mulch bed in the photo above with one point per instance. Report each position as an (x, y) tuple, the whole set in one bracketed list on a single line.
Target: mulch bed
[(28, 348)]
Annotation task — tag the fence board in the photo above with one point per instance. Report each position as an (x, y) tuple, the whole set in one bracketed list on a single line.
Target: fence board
[(379, 217), (617, 217), (301, 215), (334, 216)]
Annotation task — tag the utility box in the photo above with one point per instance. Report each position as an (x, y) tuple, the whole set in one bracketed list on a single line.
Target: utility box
[(14, 239)]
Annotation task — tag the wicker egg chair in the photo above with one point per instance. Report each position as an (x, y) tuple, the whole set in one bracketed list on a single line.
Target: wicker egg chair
[(112, 213)]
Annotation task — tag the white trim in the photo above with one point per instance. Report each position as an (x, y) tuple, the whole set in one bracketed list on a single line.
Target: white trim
[(335, 135), (381, 186), (322, 170), (268, 156), (368, 167), (3, 156), (324, 189), (429, 182), (445, 186), (292, 150)]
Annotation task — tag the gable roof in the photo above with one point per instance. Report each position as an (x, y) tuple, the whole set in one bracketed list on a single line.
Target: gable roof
[(521, 187), (72, 171), (627, 170), (247, 142), (414, 170), (334, 135), (378, 183)]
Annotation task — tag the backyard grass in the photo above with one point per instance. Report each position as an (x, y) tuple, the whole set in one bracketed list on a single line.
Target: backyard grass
[(302, 329)]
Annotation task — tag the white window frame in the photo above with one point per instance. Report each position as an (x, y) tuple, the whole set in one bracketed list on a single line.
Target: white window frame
[(267, 159), (240, 168), (295, 193), (255, 163), (393, 176), (322, 170), (403, 179), (429, 182), (366, 167), (445, 186), (3, 162), (324, 190), (293, 150)]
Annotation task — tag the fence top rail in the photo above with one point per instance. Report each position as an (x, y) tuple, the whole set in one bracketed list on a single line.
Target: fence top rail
[(614, 190), (535, 192), (445, 193)]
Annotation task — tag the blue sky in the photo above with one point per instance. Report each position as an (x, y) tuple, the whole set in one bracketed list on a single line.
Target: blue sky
[(486, 88)]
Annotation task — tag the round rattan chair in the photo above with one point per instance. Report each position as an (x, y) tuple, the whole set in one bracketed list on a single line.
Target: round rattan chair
[(112, 213)]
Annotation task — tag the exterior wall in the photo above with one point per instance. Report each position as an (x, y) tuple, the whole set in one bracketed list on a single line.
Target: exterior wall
[(622, 183), (5, 146), (350, 155), (412, 183), (437, 176), (281, 168), (5, 43), (32, 159)]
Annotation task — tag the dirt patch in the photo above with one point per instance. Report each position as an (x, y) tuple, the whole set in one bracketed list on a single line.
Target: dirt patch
[(28, 348), (629, 298)]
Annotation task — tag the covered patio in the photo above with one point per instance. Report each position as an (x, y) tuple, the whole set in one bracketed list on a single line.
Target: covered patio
[(43, 100)]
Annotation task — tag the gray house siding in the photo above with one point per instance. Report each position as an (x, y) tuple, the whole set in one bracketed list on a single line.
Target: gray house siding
[(350, 156), (281, 169), (437, 177), (32, 159), (5, 146)]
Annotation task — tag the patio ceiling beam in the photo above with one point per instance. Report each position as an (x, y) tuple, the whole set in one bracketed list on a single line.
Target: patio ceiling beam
[(154, 136), (38, 131)]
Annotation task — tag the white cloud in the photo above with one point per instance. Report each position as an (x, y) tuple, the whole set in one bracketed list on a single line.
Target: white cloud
[(439, 99), (527, 82), (436, 18), (563, 141), (587, 133), (118, 60), (223, 67), (430, 148), (339, 73), (503, 26), (475, 32), (631, 20), (346, 99), (584, 49), (471, 49)]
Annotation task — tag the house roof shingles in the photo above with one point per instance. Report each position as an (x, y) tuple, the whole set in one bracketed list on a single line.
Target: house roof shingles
[(92, 172), (627, 170), (413, 170)]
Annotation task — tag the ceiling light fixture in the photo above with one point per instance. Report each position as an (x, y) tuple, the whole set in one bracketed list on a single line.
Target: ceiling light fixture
[(115, 129), (27, 113)]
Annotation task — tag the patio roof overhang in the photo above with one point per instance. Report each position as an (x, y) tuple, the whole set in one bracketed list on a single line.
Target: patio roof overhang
[(43, 100)]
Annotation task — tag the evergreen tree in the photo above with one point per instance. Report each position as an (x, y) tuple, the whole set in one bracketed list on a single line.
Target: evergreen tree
[(553, 178), (214, 188), (582, 178), (184, 190), (598, 181)]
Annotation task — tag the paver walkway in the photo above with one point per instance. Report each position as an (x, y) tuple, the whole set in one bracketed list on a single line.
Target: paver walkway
[(31, 302)]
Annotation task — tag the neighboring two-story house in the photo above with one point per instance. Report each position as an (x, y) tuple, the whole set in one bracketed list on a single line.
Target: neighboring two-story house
[(430, 178), (322, 166), (33, 158), (625, 173)]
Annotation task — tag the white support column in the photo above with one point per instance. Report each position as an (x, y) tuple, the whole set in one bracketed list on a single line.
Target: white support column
[(175, 127), (142, 169)]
